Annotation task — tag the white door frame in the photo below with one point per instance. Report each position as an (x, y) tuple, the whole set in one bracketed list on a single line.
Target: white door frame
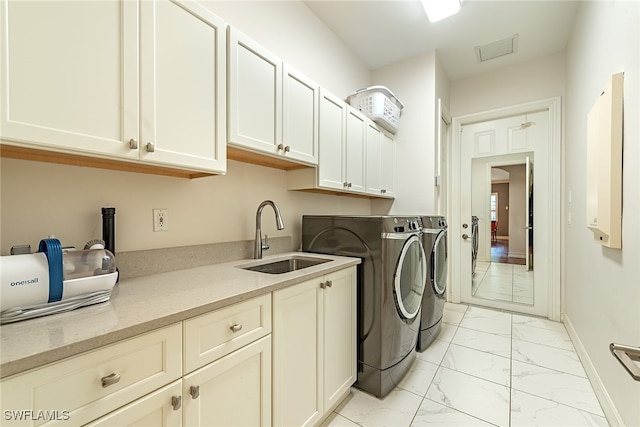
[(553, 105)]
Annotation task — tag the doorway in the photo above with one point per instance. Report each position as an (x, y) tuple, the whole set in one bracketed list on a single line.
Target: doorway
[(504, 262), (503, 138)]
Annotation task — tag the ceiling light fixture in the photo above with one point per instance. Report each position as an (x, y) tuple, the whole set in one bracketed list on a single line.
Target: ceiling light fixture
[(440, 9)]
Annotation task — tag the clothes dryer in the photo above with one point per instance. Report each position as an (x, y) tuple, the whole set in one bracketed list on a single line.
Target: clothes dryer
[(434, 240), (391, 283)]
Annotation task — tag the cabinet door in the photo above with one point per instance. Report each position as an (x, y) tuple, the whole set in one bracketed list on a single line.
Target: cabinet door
[(373, 164), (232, 391), (300, 117), (155, 409), (255, 95), (297, 399), (332, 129), (183, 85), (355, 150), (69, 76), (388, 165), (339, 350)]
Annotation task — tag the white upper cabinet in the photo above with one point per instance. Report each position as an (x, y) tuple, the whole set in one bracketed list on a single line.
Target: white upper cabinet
[(183, 89), (255, 94), (70, 75), (380, 164), (106, 79), (342, 139), (355, 155), (273, 109), (333, 126), (300, 116), (355, 150)]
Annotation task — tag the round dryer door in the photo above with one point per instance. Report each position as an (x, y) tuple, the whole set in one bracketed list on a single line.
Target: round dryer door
[(410, 277), (439, 263)]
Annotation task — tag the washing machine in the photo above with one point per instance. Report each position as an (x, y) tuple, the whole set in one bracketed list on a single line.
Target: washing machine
[(391, 283), (434, 241)]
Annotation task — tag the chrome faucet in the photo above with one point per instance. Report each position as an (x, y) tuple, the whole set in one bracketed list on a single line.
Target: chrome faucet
[(258, 246)]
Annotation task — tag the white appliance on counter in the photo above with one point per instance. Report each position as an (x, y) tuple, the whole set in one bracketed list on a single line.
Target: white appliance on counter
[(54, 280)]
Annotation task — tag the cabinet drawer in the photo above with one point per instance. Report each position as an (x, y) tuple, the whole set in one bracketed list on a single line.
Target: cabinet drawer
[(155, 409), (213, 335), (92, 384)]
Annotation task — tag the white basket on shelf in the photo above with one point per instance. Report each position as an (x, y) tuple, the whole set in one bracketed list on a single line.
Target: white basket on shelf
[(379, 104)]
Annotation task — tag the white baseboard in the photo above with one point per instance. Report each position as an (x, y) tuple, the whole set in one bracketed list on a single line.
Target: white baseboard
[(609, 409)]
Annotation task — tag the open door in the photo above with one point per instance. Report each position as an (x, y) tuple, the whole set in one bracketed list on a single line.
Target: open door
[(529, 213)]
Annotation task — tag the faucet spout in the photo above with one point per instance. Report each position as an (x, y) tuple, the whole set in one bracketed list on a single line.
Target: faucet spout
[(258, 245)]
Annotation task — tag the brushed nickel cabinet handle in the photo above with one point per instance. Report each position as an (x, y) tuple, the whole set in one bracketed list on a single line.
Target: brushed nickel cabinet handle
[(287, 149), (150, 147), (236, 327), (133, 144), (280, 147), (176, 402), (194, 391), (323, 285), (329, 283), (110, 380)]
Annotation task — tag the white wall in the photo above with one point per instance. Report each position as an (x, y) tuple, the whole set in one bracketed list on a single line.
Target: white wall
[(530, 81), (602, 286), (39, 199), (413, 82)]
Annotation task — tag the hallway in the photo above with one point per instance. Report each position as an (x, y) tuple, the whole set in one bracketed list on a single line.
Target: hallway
[(486, 368)]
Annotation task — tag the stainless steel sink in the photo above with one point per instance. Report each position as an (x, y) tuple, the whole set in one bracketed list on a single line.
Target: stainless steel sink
[(285, 265)]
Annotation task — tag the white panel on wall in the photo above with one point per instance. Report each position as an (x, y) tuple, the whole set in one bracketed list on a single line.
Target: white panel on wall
[(604, 165), (517, 138), (485, 143)]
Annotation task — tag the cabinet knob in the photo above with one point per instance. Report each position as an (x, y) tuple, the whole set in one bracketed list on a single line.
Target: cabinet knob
[(349, 184), (236, 327), (150, 147), (176, 402), (280, 147), (383, 191), (345, 184), (110, 380), (194, 391), (323, 285), (133, 144), (287, 149), (329, 283)]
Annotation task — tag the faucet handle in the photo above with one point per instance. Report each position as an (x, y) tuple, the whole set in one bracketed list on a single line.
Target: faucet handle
[(265, 244)]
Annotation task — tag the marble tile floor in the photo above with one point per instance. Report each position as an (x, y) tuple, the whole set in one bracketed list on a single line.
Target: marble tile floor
[(487, 368), (506, 282)]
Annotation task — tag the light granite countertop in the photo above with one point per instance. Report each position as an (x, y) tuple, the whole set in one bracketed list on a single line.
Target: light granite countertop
[(142, 304)]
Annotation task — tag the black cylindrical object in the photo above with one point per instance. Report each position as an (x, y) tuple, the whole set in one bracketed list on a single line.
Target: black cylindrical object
[(109, 229)]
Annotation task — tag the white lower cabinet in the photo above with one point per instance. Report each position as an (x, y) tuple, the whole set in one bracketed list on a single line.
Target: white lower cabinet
[(162, 408), (314, 347), (83, 388), (232, 391), (211, 370), (227, 366)]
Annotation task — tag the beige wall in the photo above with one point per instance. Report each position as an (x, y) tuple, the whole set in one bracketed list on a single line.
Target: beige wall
[(602, 286), (39, 199)]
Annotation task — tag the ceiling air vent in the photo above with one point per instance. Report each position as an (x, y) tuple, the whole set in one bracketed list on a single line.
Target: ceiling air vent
[(497, 49)]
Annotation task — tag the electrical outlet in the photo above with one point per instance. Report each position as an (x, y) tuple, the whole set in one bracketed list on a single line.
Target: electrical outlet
[(160, 220)]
